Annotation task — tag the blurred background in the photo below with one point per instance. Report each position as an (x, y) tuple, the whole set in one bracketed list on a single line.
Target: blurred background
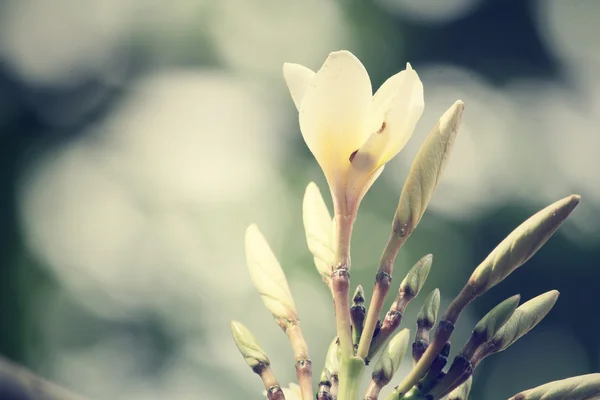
[(139, 138)]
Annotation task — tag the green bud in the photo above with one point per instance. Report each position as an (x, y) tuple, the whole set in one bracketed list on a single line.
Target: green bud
[(332, 359), (415, 279), (247, 344), (318, 226), (462, 391), (428, 314), (391, 357), (584, 387), (525, 318), (325, 376), (268, 277), (359, 296), (427, 169), (487, 327), (521, 244)]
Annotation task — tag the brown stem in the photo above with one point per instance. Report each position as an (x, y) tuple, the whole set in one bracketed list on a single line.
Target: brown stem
[(461, 368), (303, 363), (18, 383), (340, 283), (390, 323), (421, 340), (274, 391), (372, 392), (383, 279), (442, 334), (324, 391), (334, 386)]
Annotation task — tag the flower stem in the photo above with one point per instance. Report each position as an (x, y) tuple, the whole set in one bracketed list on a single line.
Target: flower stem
[(303, 363), (350, 373), (442, 334), (272, 387), (340, 283), (383, 279)]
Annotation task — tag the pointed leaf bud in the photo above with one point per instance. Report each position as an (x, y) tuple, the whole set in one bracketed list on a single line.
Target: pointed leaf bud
[(525, 318), (426, 170), (318, 226), (332, 359), (584, 387), (359, 296), (357, 314), (415, 279), (495, 319), (267, 276), (521, 244), (391, 357), (462, 391), (489, 325), (248, 345), (428, 314)]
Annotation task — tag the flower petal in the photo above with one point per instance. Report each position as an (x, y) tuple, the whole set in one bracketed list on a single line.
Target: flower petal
[(398, 122), (382, 99), (335, 111), (358, 185), (298, 79)]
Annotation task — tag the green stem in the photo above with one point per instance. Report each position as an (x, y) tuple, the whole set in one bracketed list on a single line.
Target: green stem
[(350, 376)]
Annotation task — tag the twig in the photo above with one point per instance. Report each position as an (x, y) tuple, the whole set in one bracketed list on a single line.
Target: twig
[(18, 383)]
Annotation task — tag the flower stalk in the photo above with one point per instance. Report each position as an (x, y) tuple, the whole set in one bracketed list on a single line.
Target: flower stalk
[(352, 135), (409, 289)]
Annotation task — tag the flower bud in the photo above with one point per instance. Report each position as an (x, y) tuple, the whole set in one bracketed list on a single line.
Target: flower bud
[(525, 318), (318, 226), (415, 279), (247, 344), (391, 357), (584, 387), (428, 314), (427, 169), (359, 296), (521, 244), (462, 391), (267, 276), (332, 359), (487, 327)]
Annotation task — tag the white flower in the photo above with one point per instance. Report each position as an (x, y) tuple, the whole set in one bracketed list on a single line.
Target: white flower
[(351, 132)]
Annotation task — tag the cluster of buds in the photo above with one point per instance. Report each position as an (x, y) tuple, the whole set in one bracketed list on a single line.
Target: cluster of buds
[(353, 134)]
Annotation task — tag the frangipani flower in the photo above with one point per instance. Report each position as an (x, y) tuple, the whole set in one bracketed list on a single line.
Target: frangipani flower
[(351, 132)]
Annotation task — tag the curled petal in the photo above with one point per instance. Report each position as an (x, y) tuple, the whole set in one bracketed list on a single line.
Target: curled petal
[(298, 79), (399, 107)]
